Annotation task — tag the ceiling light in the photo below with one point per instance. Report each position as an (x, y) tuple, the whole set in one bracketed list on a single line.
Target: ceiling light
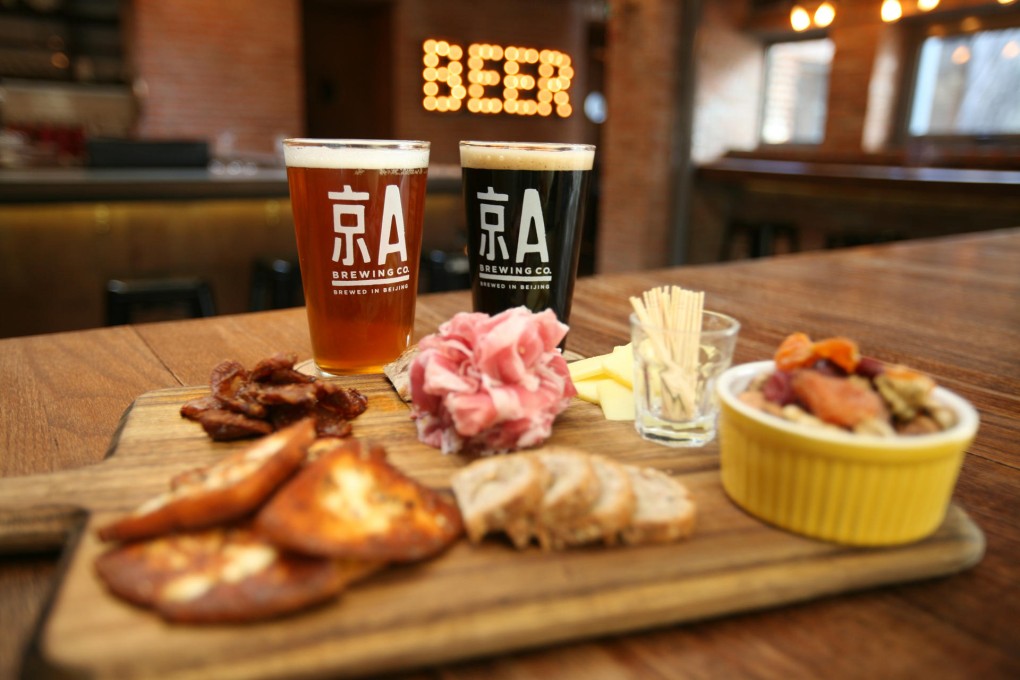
[(799, 18), (825, 14), (891, 10)]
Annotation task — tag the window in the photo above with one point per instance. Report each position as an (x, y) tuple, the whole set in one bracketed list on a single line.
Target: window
[(796, 91), (968, 84)]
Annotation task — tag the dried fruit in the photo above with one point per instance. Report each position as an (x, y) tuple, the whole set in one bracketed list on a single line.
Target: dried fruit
[(841, 351), (799, 351), (778, 388), (796, 351), (838, 401)]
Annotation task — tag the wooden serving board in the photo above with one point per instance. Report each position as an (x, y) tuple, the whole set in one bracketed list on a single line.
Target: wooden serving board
[(471, 601)]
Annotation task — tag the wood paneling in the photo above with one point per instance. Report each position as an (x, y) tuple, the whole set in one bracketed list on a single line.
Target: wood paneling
[(55, 260)]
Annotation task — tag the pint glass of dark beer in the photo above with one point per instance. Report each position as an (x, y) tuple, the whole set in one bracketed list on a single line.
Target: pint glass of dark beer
[(358, 208), (525, 212)]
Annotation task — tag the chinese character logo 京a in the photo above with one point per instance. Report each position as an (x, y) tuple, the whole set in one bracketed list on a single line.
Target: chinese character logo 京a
[(503, 261), (362, 263)]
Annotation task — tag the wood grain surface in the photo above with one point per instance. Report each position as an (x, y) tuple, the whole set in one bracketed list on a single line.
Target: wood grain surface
[(468, 602), (948, 306)]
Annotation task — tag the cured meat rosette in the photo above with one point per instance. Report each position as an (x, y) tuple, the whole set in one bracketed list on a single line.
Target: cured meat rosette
[(490, 384)]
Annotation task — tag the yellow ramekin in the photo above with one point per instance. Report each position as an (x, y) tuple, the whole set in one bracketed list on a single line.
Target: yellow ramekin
[(835, 486)]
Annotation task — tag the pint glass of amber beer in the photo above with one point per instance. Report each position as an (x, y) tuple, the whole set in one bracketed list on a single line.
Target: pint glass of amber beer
[(358, 208), (525, 215)]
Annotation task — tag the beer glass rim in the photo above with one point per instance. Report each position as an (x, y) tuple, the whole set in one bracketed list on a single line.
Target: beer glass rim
[(358, 143), (537, 146)]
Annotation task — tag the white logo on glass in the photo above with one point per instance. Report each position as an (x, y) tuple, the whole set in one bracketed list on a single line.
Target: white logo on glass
[(393, 219), (493, 225), (349, 234), (349, 244), (531, 238), (532, 222)]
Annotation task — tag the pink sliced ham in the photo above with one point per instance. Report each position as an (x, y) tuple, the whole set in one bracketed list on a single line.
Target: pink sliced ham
[(490, 384)]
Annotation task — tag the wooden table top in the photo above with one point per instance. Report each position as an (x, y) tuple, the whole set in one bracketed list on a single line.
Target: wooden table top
[(950, 307), (863, 175)]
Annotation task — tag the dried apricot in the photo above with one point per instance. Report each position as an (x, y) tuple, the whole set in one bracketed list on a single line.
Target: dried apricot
[(796, 351), (841, 351), (837, 400)]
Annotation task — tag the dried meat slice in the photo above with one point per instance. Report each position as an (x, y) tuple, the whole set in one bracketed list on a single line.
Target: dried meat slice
[(346, 402), (229, 382), (293, 394), (223, 426), (196, 407), (279, 370), (272, 396), (350, 502), (331, 424), (223, 575), (226, 490)]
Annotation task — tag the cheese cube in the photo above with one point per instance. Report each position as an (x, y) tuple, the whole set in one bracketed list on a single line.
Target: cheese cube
[(584, 369), (616, 400), (619, 365), (588, 389)]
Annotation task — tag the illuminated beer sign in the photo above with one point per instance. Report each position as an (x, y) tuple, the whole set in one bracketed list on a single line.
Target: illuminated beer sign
[(492, 79)]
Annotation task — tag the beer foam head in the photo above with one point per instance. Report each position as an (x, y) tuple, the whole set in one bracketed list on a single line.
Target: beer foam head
[(364, 154), (526, 156)]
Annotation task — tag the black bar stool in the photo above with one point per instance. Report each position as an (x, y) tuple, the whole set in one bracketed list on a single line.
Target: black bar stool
[(446, 271), (761, 238), (125, 298), (275, 284), (849, 239)]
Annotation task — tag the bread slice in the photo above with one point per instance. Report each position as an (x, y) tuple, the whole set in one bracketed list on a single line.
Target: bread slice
[(664, 511), (352, 503), (399, 372), (610, 511), (224, 491), (572, 487), (501, 493), (565, 497), (223, 574)]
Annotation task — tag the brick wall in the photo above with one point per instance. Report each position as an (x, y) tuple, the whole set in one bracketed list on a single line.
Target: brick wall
[(635, 229), (856, 37), (540, 24), (227, 71), (730, 64), (864, 82), (216, 68)]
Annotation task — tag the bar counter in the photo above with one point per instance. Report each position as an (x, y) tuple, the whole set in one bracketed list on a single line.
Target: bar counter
[(862, 175), (226, 181), (948, 306)]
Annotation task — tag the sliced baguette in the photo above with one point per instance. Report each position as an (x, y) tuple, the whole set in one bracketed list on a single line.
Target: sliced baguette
[(664, 511), (501, 493), (572, 488), (610, 511)]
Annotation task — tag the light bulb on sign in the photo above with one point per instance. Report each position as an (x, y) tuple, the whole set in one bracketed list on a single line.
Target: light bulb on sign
[(891, 10), (527, 79), (927, 5), (825, 14), (799, 18)]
